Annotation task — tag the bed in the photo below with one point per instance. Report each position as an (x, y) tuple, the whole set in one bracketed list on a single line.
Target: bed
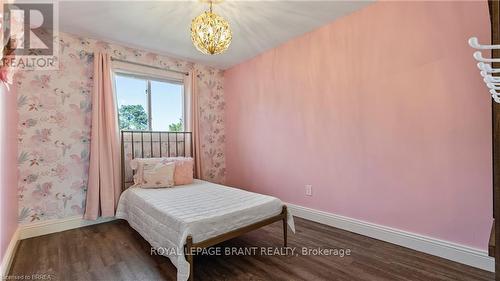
[(180, 220)]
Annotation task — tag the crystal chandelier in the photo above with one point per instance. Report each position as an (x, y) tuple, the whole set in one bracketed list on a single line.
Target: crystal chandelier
[(210, 33)]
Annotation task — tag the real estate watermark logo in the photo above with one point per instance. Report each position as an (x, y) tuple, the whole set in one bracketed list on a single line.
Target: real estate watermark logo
[(30, 32)]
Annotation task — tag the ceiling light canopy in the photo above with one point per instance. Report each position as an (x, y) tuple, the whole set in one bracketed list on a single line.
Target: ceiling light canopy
[(210, 33)]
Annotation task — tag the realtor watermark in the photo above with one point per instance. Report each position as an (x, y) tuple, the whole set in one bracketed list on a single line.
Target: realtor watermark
[(34, 276), (253, 251), (29, 35)]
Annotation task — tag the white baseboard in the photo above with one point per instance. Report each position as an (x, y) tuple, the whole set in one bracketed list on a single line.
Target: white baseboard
[(9, 254), (56, 225), (448, 250)]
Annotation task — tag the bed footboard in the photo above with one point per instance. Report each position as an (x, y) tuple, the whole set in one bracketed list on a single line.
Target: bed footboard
[(190, 247), (189, 256)]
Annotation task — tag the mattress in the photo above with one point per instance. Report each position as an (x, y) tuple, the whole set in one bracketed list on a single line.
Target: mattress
[(166, 216)]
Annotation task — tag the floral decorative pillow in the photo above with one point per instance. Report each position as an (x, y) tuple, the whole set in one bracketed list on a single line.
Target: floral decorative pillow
[(137, 165), (157, 175)]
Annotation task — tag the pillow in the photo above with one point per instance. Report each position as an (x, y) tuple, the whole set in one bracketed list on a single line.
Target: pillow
[(183, 170), (156, 175), (137, 165), (183, 173)]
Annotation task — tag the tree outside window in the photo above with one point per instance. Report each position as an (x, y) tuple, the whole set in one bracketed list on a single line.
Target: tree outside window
[(133, 117)]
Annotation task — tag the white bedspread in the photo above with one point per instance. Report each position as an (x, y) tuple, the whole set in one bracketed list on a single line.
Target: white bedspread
[(166, 216)]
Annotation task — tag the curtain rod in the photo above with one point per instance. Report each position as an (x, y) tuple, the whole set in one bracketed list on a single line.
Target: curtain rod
[(150, 66)]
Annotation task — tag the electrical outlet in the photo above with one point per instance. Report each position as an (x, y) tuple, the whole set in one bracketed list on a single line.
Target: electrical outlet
[(309, 190)]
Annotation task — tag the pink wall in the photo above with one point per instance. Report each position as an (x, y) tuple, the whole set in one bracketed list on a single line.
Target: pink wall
[(382, 111), (8, 167)]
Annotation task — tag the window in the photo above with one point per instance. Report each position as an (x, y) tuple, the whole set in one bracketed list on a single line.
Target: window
[(146, 103)]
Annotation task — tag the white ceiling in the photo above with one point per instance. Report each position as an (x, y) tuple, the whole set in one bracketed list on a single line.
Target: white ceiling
[(163, 26)]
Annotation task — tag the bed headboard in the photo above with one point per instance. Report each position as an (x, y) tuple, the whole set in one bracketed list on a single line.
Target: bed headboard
[(149, 144)]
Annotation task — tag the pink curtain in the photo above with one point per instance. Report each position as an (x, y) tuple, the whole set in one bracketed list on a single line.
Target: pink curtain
[(194, 120), (104, 174)]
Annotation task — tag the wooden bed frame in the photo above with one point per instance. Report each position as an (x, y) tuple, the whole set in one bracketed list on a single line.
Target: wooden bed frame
[(174, 144)]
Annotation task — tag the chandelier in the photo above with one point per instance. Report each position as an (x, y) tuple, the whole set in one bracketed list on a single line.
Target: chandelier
[(210, 33)]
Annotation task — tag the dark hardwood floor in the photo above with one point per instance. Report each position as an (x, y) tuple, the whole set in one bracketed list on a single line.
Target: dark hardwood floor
[(114, 251)]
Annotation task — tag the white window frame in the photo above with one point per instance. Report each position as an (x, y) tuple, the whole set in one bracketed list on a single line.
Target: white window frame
[(150, 74)]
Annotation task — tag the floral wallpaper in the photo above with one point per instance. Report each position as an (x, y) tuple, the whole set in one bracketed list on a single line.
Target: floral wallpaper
[(54, 126)]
